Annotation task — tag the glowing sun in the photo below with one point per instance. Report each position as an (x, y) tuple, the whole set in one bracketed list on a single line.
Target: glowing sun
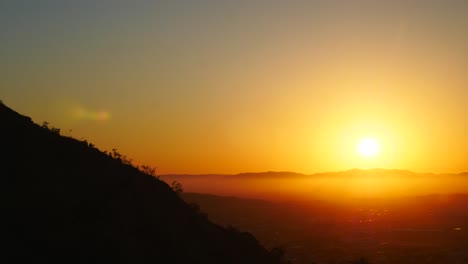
[(368, 147)]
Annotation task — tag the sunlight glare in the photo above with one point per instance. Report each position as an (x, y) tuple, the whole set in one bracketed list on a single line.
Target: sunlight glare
[(368, 147)]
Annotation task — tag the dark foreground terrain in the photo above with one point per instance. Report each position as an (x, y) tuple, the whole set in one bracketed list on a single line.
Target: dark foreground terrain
[(409, 230), (64, 201)]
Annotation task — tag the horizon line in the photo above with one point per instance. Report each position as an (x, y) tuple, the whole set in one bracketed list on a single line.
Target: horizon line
[(310, 174)]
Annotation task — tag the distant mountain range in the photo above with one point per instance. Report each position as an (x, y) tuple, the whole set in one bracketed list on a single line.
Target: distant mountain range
[(64, 201), (354, 183), (287, 174)]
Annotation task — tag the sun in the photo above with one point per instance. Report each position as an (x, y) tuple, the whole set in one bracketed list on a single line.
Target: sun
[(368, 147)]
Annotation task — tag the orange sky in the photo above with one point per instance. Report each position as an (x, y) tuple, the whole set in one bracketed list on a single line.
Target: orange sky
[(229, 87)]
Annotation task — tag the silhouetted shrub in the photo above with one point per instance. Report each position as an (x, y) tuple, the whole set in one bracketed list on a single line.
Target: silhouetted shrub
[(122, 158), (196, 208), (277, 252), (232, 229), (148, 170), (115, 154), (52, 129)]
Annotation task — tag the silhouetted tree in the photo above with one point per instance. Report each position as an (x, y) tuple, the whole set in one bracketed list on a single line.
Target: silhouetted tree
[(177, 187)]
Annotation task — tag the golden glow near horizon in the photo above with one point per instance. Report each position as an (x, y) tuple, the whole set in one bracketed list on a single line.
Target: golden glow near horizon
[(235, 86), (368, 147)]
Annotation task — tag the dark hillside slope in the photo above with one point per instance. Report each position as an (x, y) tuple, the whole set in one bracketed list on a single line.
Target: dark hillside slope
[(63, 201)]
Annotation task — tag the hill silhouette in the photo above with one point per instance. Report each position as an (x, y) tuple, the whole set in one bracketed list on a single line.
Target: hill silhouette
[(64, 201)]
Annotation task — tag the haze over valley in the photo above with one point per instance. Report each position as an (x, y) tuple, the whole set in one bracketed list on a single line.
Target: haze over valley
[(333, 186)]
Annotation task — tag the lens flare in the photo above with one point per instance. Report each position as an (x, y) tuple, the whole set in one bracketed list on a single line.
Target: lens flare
[(84, 114)]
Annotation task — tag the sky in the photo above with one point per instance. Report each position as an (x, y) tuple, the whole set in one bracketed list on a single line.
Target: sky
[(234, 86)]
